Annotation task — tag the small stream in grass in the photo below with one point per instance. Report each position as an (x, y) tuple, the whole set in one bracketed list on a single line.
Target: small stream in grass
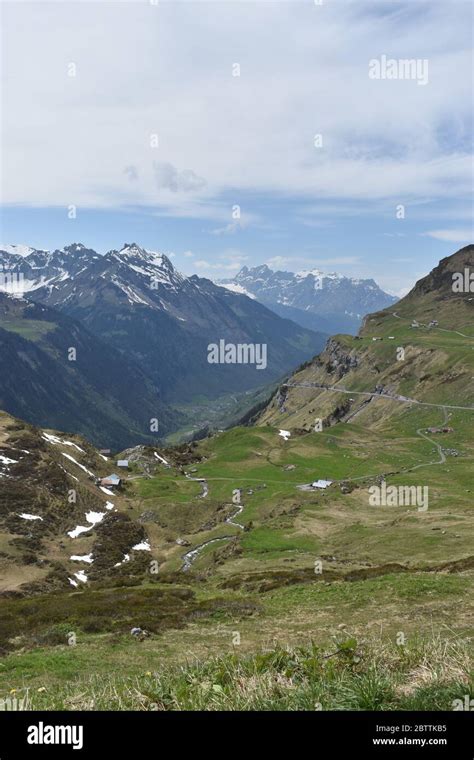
[(190, 557)]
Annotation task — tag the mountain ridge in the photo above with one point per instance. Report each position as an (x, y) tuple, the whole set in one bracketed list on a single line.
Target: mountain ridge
[(314, 299), (135, 299)]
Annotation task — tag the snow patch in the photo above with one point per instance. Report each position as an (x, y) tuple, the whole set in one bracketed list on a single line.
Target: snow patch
[(78, 530), (82, 558), (26, 516), (235, 288), (68, 456), (16, 250), (95, 517), (144, 546), (126, 558), (6, 460)]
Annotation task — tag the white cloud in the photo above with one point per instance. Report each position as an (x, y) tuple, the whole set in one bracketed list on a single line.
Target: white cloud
[(451, 236), (227, 229), (230, 260), (167, 69)]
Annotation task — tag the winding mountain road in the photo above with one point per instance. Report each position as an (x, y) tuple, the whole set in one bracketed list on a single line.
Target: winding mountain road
[(392, 397)]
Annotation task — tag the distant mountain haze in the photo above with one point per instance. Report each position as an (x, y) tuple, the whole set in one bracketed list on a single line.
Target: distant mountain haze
[(328, 302)]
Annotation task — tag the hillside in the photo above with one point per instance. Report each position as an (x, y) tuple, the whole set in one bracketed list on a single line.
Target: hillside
[(52, 513), (90, 394), (433, 326)]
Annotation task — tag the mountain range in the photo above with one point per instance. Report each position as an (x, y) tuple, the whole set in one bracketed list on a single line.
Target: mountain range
[(148, 330), (330, 303)]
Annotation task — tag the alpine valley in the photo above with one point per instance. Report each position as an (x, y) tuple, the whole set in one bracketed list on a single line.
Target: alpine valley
[(257, 549), (142, 317)]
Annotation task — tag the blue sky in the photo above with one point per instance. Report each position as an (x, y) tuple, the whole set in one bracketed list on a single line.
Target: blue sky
[(89, 88)]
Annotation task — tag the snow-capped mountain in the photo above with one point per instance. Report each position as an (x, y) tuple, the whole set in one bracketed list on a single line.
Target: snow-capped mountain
[(161, 320), (24, 269), (329, 302)]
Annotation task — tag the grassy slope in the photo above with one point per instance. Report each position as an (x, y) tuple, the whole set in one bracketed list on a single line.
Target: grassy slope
[(267, 590)]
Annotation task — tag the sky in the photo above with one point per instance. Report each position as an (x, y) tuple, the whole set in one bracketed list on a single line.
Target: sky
[(239, 133)]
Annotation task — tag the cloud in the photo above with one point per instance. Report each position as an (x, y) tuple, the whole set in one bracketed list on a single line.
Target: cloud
[(228, 229), (188, 254), (310, 263), (230, 260), (169, 177), (451, 236), (246, 135)]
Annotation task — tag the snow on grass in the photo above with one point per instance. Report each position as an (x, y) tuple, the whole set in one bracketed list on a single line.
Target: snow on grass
[(71, 443), (285, 434), (73, 582), (68, 473), (78, 530), (55, 439), (26, 516), (81, 576), (7, 460), (51, 438), (109, 505), (68, 456), (95, 517), (143, 546), (126, 558), (160, 458), (82, 558), (107, 491), (104, 457)]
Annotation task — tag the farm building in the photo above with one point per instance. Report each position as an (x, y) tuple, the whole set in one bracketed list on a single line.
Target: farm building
[(321, 483), (111, 480)]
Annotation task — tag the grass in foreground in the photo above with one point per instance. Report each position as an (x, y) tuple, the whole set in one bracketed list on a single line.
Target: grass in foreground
[(345, 675)]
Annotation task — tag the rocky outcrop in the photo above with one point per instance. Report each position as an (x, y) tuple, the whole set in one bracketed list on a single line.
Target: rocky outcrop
[(339, 361)]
